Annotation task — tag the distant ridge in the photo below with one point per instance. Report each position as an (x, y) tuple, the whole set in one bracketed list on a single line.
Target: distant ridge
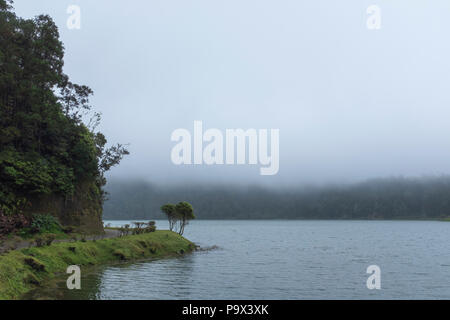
[(384, 198)]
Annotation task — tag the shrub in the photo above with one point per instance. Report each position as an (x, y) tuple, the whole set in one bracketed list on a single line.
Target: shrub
[(138, 227), (151, 227), (39, 241), (125, 230), (45, 224), (49, 238), (44, 240), (12, 223)]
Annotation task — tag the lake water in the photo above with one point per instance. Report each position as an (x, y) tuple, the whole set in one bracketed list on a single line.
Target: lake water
[(288, 260)]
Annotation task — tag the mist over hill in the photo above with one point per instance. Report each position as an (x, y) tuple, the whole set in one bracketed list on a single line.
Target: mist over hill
[(387, 198)]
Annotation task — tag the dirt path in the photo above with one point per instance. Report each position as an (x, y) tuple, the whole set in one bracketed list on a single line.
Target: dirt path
[(8, 245)]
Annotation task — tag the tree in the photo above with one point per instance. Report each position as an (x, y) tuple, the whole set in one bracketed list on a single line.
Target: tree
[(171, 212), (45, 147), (5, 4), (185, 213)]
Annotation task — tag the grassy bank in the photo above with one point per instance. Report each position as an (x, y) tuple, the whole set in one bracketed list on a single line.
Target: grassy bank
[(23, 270)]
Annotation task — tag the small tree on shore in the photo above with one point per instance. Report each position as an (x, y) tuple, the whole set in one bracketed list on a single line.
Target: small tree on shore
[(171, 212), (185, 213)]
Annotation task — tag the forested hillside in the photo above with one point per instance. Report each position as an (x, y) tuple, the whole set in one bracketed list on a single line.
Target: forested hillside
[(51, 162), (394, 198)]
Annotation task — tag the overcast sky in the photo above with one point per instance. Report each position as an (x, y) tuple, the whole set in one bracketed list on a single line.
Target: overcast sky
[(351, 103)]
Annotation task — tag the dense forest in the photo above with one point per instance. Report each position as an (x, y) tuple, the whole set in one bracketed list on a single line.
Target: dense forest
[(393, 198), (52, 159)]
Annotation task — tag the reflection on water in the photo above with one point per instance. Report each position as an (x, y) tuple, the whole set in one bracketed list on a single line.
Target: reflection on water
[(163, 279), (159, 279), (285, 260)]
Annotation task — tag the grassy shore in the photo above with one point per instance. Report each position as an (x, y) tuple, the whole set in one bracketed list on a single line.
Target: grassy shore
[(26, 269)]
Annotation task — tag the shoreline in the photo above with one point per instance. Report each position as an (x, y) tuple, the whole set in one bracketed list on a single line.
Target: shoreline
[(26, 269)]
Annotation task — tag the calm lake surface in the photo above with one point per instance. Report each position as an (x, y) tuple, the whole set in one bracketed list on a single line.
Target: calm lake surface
[(287, 260)]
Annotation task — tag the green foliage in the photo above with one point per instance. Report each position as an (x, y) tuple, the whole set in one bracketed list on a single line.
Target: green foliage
[(10, 224), (45, 148), (34, 264), (178, 214), (139, 228), (170, 211), (22, 270), (151, 227), (185, 210), (39, 241), (45, 224), (185, 213), (49, 238)]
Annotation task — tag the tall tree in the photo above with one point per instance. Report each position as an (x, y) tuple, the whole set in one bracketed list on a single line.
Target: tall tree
[(170, 211), (185, 213), (45, 148)]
